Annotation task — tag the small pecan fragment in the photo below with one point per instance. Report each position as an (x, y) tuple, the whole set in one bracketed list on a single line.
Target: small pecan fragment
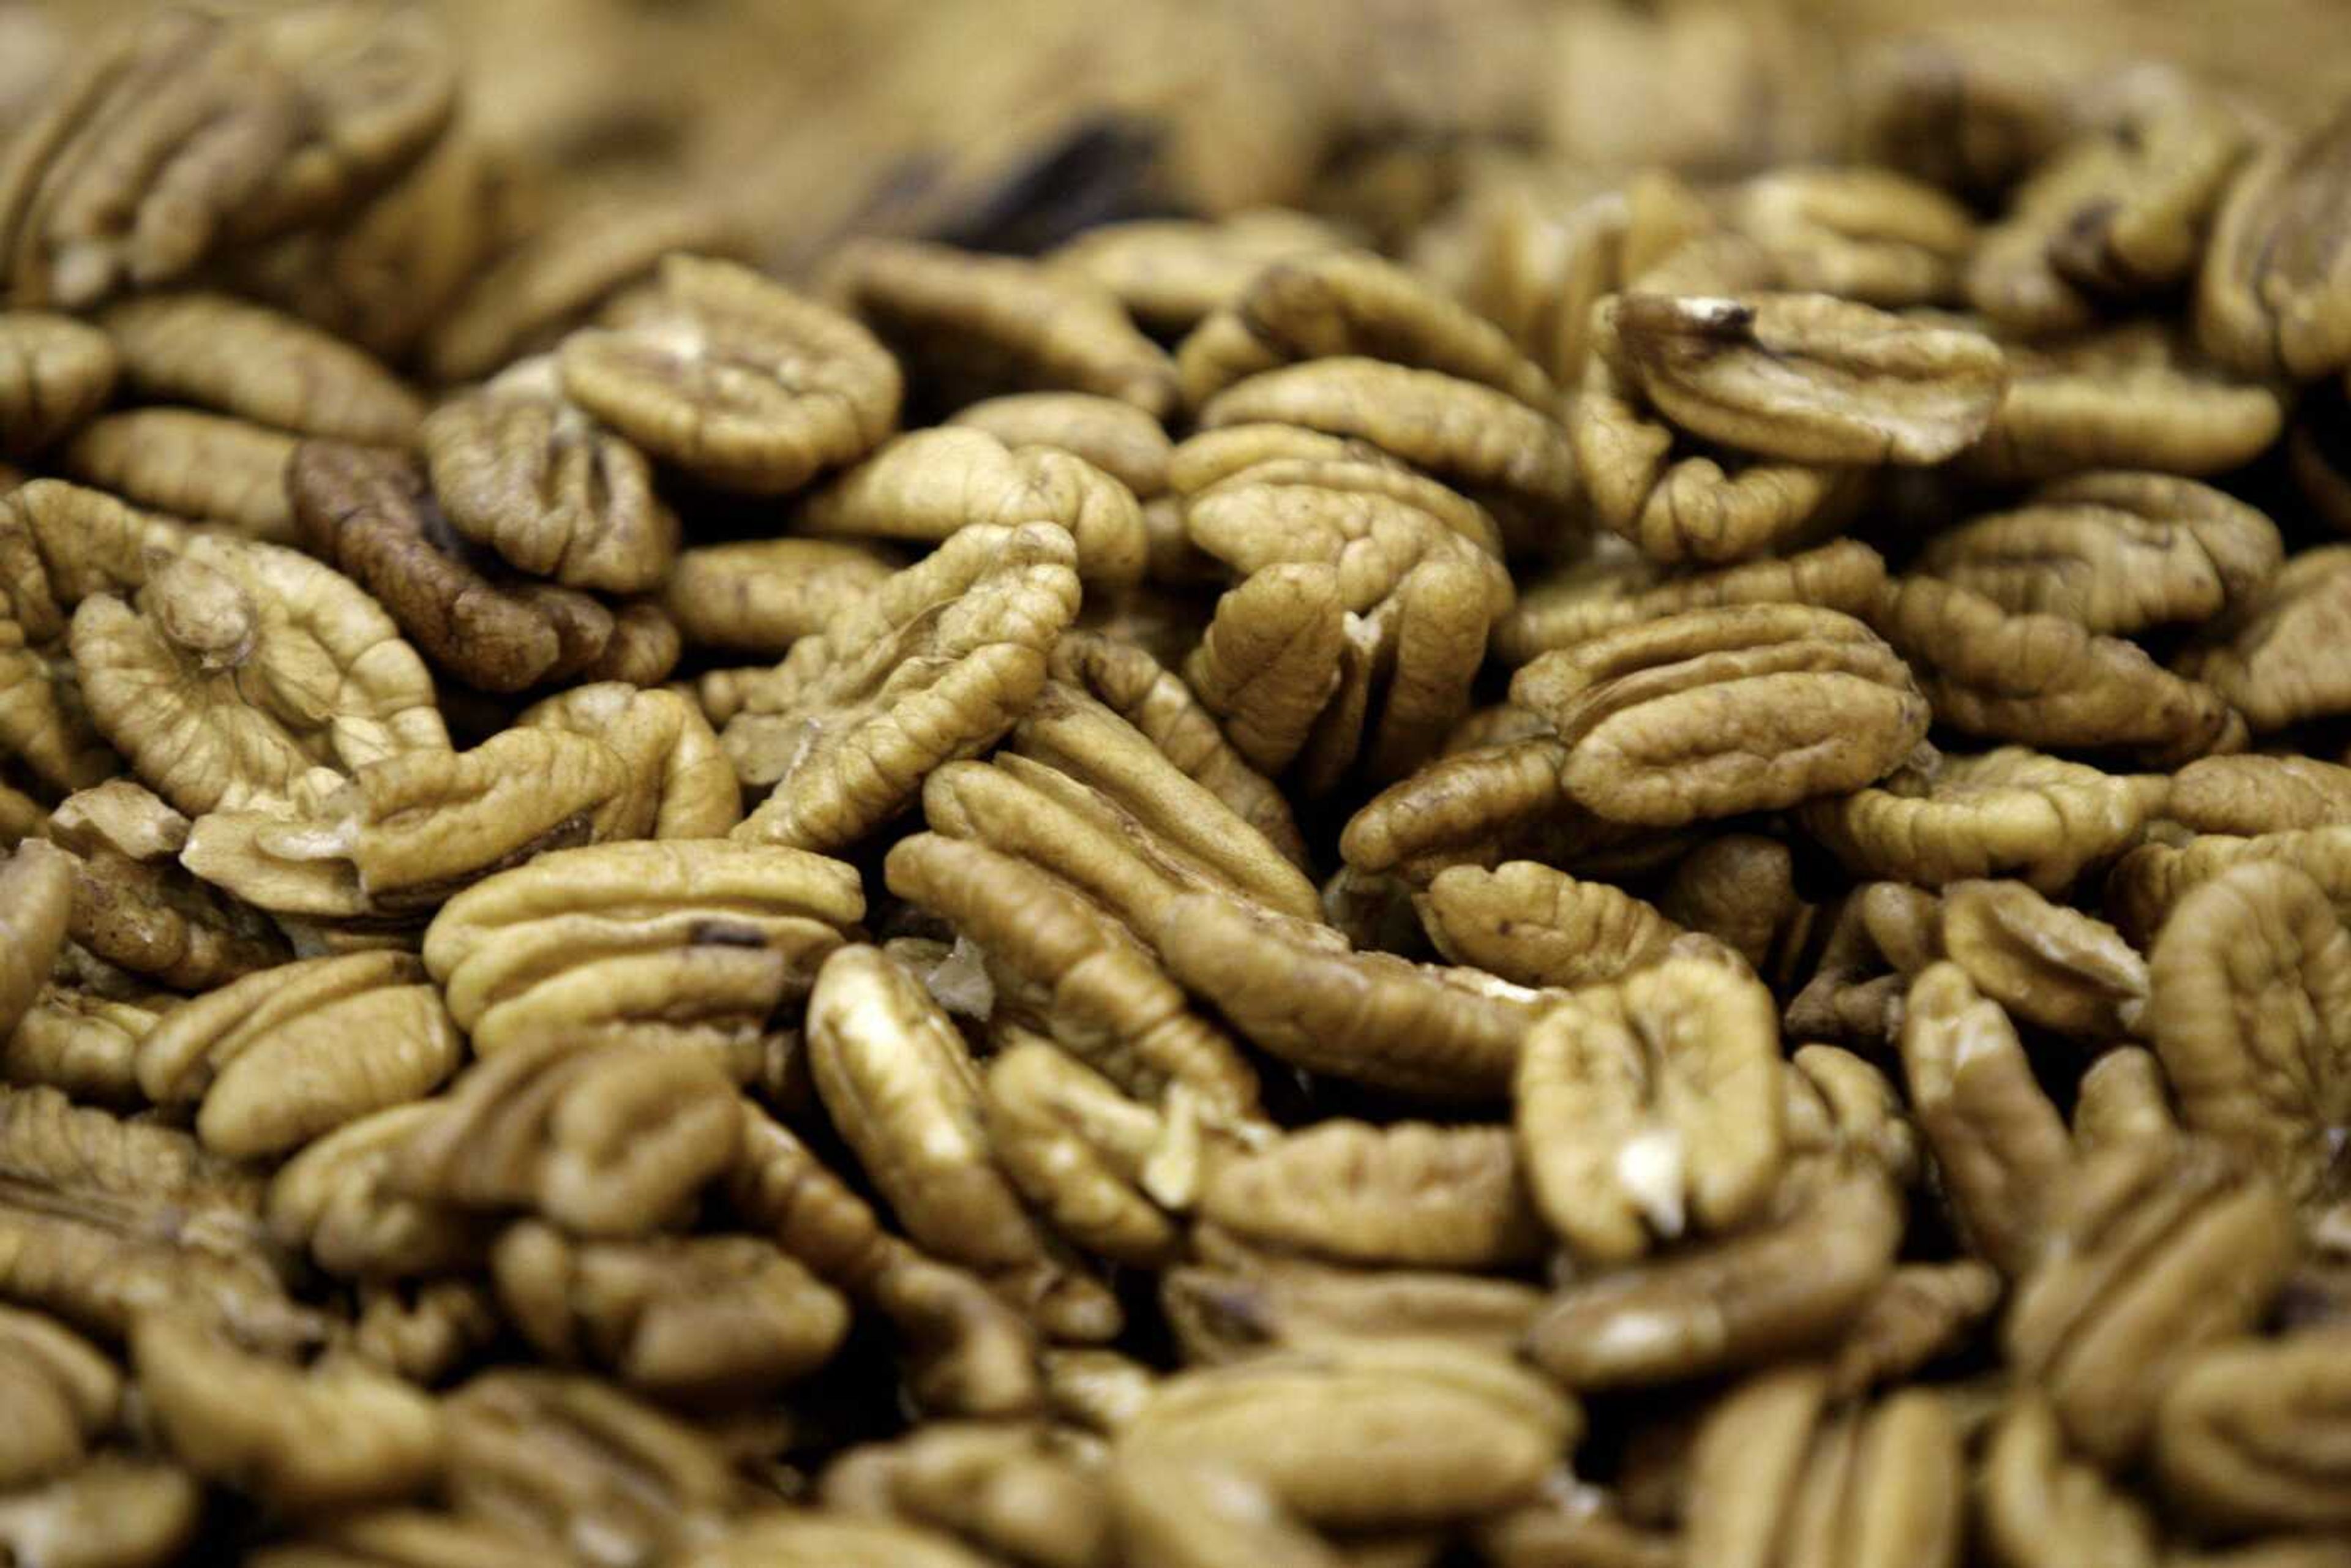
[(2250, 1437), (2157, 1249), (974, 325), (217, 353), (1805, 378), (924, 486), (1715, 712), (2270, 298), (520, 469), (1536, 927), (936, 663), (279, 1057), (1651, 1106), (2250, 1003), (55, 373), (1116, 437), (761, 596), (735, 379)]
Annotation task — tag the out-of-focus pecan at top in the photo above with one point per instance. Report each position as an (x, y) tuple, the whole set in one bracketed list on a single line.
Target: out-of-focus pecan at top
[(2275, 295), (1536, 927), (1806, 378), (936, 663), (219, 352), (1969, 116), (198, 129), (1171, 272), (55, 372), (925, 485), (736, 380), (521, 469), (1350, 303), (1715, 712), (1861, 233), (245, 676), (973, 326)]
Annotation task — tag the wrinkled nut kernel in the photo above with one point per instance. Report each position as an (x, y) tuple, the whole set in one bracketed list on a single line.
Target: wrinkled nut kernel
[(938, 663), (2118, 552), (1536, 927), (55, 373), (763, 595), (680, 785), (213, 351), (333, 1201), (739, 380), (2146, 884), (901, 1089), (279, 1057), (1652, 1106), (1588, 599), (2007, 812), (1083, 1154), (2278, 657), (2157, 1249), (2251, 1436), (1860, 234), (2255, 794), (980, 325), (520, 470), (2049, 965), (190, 464), (2271, 296), (1804, 378), (1715, 712), (2250, 998), (1349, 303), (922, 487), (1118, 438)]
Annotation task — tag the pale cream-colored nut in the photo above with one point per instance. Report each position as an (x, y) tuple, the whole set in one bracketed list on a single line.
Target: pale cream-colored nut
[(1922, 1312), (1118, 438), (2251, 1436), (677, 1317), (62, 1393), (1861, 233), (760, 596), (1536, 927), (2038, 1506), (118, 1512), (333, 1201), (2118, 552), (2278, 656), (606, 1140), (701, 942), (58, 371), (2129, 397), (1805, 378), (809, 1539), (2000, 1150), (570, 1461), (938, 663), (190, 464), (523, 471), (215, 352), (1737, 1301), (734, 378), (402, 834), (1402, 1434), (1083, 1154), (1587, 599), (279, 1057), (37, 890), (980, 324), (2157, 1249), (2250, 1006), (900, 1085), (1777, 1478), (1350, 302), (1715, 712), (2118, 212), (1651, 1106), (2044, 681), (1236, 1301), (2048, 965), (1036, 1494), (1171, 272), (2123, 1097), (1371, 1017), (196, 131), (2270, 299), (2006, 813), (924, 486), (2258, 794), (339, 1433), (1466, 435), (1409, 1194), (681, 785)]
